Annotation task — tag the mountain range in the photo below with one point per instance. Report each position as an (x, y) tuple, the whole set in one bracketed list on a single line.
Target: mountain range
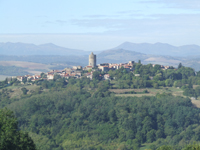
[(158, 53), (145, 48), (161, 49), (32, 49)]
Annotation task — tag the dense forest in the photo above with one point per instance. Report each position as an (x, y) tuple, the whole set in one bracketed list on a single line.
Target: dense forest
[(83, 114)]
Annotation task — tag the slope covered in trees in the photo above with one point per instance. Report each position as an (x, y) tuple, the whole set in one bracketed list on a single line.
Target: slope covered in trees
[(74, 118), (83, 114), (10, 137)]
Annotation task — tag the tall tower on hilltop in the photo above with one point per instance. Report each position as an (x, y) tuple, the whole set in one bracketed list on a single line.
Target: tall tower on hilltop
[(92, 60)]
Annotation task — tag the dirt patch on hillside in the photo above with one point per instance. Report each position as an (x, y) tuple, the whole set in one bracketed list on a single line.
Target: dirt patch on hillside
[(196, 103)]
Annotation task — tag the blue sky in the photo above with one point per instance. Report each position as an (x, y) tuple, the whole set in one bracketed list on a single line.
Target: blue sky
[(99, 24)]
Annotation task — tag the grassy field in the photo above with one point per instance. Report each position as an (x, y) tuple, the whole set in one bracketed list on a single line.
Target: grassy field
[(152, 91), (16, 91), (23, 64)]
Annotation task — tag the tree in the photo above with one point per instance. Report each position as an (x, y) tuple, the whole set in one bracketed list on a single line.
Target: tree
[(179, 66), (165, 147), (24, 90), (151, 136), (43, 75), (192, 147), (10, 137), (197, 90), (155, 85), (96, 75)]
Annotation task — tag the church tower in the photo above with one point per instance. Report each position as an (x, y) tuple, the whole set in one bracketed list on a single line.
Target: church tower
[(92, 60)]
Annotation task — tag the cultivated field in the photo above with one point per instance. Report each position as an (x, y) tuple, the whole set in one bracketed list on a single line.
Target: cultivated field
[(153, 92), (30, 67)]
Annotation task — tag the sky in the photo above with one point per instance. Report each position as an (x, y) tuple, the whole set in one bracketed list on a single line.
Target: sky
[(95, 25)]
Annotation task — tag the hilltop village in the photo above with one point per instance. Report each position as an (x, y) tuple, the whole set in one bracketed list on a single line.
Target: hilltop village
[(127, 103), (87, 71)]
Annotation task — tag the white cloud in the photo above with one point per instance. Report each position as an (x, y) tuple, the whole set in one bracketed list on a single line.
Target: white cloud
[(184, 4)]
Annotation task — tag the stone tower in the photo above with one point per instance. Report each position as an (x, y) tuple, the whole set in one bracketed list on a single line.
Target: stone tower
[(92, 60)]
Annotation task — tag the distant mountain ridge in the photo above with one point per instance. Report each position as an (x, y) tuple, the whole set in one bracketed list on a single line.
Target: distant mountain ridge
[(161, 49), (145, 48), (158, 53), (120, 55), (32, 49)]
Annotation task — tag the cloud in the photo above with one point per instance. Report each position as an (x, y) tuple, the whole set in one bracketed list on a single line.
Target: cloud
[(159, 24), (129, 11), (49, 22), (96, 16), (182, 4), (191, 4), (41, 16), (60, 22)]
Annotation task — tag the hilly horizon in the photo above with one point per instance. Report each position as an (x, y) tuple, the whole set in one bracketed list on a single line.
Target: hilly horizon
[(145, 48), (161, 49), (164, 54), (32, 49)]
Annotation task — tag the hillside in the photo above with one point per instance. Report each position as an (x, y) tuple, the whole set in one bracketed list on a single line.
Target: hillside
[(32, 49), (120, 55), (128, 112), (123, 55), (145, 48), (56, 57), (161, 49)]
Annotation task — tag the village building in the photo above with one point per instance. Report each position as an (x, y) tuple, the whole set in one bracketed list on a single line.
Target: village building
[(106, 77)]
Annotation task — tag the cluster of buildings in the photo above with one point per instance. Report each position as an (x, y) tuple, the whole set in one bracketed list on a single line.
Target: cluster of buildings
[(78, 71)]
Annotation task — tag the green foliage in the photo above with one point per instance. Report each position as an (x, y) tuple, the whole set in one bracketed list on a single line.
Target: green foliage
[(165, 147), (10, 137), (192, 147), (179, 66), (24, 90), (97, 76), (84, 114), (74, 118)]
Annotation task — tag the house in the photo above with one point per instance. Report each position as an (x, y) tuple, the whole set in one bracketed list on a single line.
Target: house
[(193, 98), (88, 68), (36, 77), (104, 68), (137, 75), (89, 75), (21, 78), (50, 76), (151, 77), (106, 77), (131, 63), (77, 67), (116, 66)]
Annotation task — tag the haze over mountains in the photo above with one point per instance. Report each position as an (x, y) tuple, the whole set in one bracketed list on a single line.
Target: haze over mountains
[(32, 49), (145, 48), (161, 49), (158, 53)]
